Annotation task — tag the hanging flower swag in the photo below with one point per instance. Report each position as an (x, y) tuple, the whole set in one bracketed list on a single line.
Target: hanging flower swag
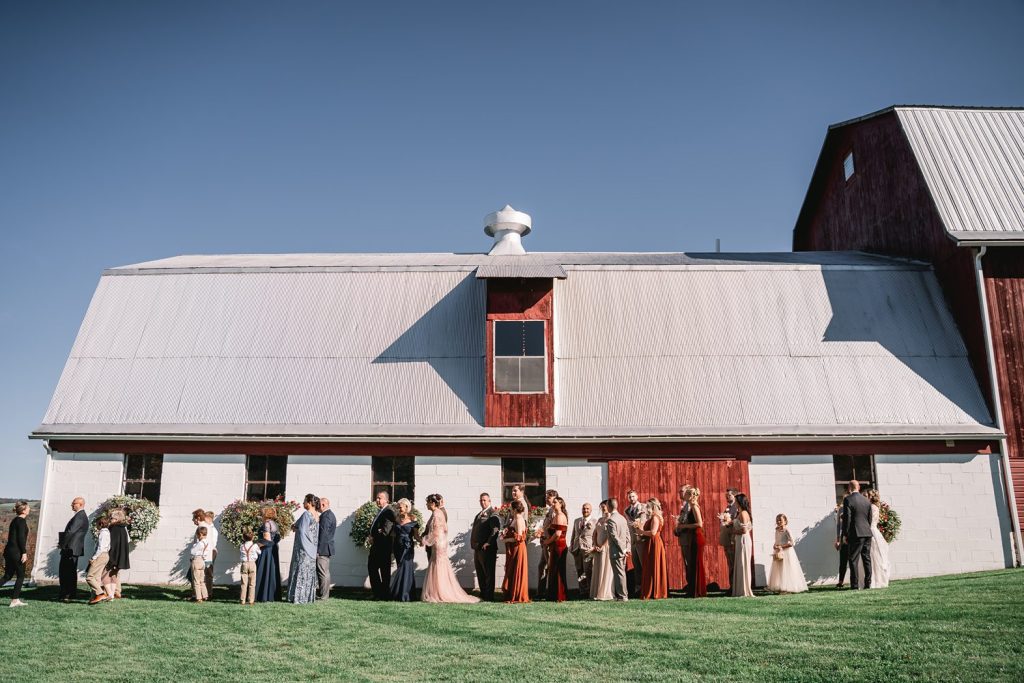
[(888, 522), (363, 520), (143, 516), (241, 515)]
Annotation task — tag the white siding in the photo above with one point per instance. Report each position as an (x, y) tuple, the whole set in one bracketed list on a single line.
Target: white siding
[(578, 482)]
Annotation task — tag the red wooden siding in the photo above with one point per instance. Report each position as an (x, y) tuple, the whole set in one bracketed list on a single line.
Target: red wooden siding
[(1004, 287), (520, 299), (886, 208), (661, 480)]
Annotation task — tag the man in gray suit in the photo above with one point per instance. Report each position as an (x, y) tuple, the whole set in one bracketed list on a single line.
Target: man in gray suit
[(857, 527), (618, 547)]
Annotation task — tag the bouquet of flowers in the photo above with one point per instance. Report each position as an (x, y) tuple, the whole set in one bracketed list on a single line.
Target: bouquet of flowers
[(143, 516), (534, 514), (888, 522), (248, 514)]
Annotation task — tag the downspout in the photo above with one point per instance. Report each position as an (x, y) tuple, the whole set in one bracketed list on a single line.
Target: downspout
[(42, 508), (997, 408)]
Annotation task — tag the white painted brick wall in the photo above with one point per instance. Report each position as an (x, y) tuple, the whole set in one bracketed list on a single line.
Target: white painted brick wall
[(953, 511), (802, 488), (95, 477), (578, 482)]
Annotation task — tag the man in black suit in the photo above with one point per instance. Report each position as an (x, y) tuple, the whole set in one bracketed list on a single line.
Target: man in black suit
[(841, 545), (379, 563), (325, 549), (71, 543), (857, 528), (484, 541)]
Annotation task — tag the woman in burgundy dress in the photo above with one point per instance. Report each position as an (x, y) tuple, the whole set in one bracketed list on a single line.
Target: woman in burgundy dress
[(695, 521), (557, 553), (516, 586), (655, 570)]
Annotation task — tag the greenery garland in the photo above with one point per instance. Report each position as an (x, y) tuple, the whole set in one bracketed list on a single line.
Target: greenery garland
[(363, 520), (143, 516), (241, 515)]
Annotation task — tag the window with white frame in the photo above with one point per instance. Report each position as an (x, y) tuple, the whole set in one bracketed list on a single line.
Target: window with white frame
[(520, 357)]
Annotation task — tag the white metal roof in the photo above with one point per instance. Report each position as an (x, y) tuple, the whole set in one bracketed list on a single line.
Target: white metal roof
[(647, 346), (973, 163)]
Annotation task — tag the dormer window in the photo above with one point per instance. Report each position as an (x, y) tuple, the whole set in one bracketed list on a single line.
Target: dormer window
[(520, 360)]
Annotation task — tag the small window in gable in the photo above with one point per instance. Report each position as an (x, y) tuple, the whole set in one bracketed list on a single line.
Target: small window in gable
[(520, 357), (848, 165)]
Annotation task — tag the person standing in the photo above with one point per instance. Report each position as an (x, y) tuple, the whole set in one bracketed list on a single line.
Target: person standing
[(542, 533), (403, 581), (725, 536), (786, 574), (516, 586), (580, 546), (693, 525), (16, 552), (71, 543), (654, 580), (880, 569), (325, 549), (440, 583), (857, 529), (634, 513), (600, 563), (557, 551), (682, 532), (200, 554), (120, 547), (379, 563), (268, 563), (619, 546), (302, 575), (98, 562), (841, 545), (483, 538), (248, 555), (212, 537), (743, 564)]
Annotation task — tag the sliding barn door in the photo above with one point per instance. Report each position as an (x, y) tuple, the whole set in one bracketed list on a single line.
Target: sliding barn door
[(661, 479)]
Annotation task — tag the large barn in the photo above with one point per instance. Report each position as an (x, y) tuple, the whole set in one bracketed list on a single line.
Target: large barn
[(198, 380)]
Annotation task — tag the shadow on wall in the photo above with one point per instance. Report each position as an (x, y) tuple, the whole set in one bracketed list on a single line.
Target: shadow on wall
[(817, 552)]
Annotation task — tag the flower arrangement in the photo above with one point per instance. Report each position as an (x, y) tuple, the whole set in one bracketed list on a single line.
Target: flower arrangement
[(248, 514), (535, 514), (363, 520), (143, 516), (888, 522)]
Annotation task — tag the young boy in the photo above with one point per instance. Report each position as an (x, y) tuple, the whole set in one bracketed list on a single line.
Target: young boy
[(248, 552), (211, 538), (201, 554)]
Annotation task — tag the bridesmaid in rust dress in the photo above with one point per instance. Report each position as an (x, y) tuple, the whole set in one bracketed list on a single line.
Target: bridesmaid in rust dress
[(516, 585), (655, 571), (557, 553)]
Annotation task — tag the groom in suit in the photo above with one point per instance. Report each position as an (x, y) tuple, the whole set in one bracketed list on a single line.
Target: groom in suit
[(618, 547), (71, 543), (857, 529), (379, 563), (484, 541)]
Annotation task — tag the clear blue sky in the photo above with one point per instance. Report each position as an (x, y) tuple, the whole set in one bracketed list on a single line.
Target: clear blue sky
[(131, 131)]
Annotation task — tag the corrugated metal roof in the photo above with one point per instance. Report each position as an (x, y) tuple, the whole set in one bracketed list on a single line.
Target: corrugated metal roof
[(689, 346), (520, 270), (973, 163)]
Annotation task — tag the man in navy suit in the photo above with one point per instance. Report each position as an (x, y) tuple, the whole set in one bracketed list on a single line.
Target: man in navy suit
[(325, 549), (379, 563), (71, 543), (857, 528)]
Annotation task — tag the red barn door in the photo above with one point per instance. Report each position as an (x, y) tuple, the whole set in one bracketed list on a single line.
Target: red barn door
[(661, 479)]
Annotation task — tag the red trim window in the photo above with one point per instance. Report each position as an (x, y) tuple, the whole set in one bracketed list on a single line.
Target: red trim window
[(520, 357)]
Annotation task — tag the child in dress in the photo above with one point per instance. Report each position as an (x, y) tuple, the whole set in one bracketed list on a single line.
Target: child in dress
[(201, 554), (248, 553), (786, 576)]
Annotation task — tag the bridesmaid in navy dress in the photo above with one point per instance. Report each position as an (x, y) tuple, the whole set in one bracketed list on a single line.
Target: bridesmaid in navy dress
[(268, 564), (406, 535)]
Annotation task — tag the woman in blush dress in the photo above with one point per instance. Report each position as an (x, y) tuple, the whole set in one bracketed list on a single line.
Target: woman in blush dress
[(557, 553), (268, 564), (302, 582), (516, 586), (742, 565), (786, 575), (654, 583), (440, 583), (880, 568), (601, 579), (403, 581)]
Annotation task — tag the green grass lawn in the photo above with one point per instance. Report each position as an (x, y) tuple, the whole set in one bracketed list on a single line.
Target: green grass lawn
[(967, 627)]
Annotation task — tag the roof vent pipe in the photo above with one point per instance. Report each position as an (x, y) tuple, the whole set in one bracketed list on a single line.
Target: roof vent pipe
[(507, 227)]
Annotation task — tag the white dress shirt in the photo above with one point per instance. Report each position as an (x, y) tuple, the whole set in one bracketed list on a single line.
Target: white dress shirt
[(102, 543), (248, 552)]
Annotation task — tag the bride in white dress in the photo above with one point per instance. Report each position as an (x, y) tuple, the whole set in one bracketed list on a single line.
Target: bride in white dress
[(879, 548), (440, 584)]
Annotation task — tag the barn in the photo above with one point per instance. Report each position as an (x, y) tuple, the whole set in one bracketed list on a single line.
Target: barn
[(198, 380)]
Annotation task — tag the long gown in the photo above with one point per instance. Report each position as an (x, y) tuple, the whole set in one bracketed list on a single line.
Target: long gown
[(403, 581), (557, 556), (440, 583), (880, 568), (786, 575), (744, 559), (700, 589), (654, 570), (302, 582), (268, 565), (516, 586), (601, 574)]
